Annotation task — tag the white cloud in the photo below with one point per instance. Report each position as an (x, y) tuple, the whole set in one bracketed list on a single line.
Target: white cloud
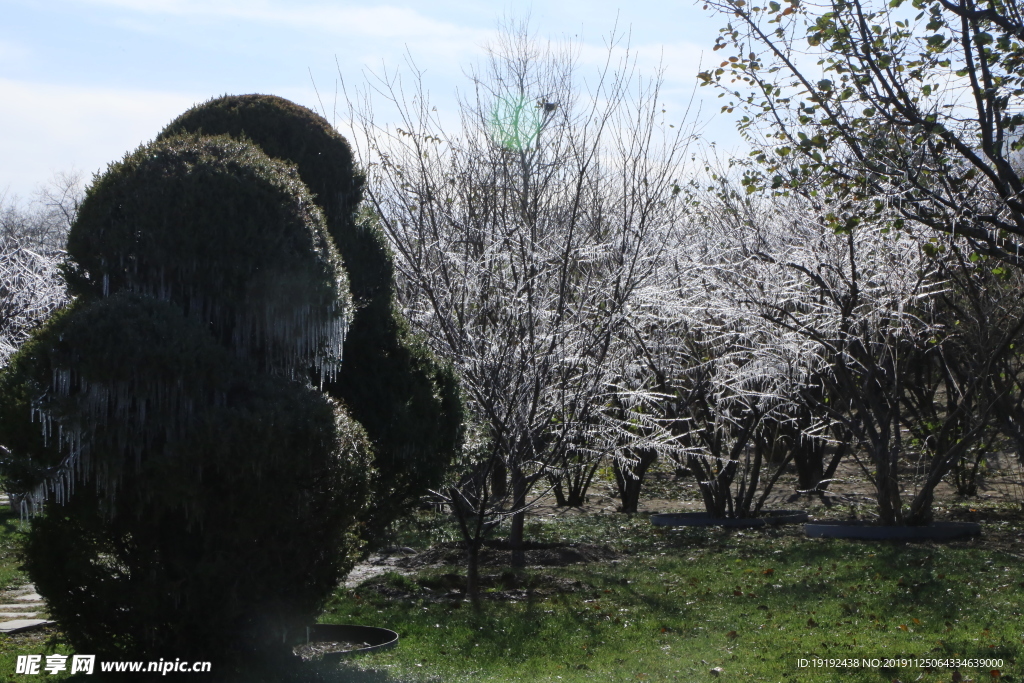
[(13, 52), (56, 127), (679, 60), (379, 22)]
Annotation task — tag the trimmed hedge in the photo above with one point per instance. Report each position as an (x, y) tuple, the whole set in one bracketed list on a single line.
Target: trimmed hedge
[(285, 130), (408, 402), (220, 539), (213, 494), (225, 233)]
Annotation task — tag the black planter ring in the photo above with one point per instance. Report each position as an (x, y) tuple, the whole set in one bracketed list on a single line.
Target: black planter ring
[(937, 531), (773, 518), (376, 638)]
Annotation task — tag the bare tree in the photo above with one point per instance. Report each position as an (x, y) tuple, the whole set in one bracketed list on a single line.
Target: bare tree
[(521, 240), (31, 288), (44, 224), (976, 363), (866, 302), (31, 251), (724, 383)]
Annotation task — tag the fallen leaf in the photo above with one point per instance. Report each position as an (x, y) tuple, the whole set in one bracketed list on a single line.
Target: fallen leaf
[(732, 634), (768, 572), (903, 626)]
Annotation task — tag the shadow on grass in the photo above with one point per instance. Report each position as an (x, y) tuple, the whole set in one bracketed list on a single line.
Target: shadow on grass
[(303, 672), (10, 522)]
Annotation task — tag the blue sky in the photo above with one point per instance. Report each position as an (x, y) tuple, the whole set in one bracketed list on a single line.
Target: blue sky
[(82, 82)]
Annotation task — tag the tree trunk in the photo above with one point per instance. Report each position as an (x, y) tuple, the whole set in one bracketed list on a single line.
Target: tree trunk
[(921, 510), (887, 488), (630, 478), (556, 487), (473, 573), (965, 473), (809, 458), (499, 480), (745, 498), (571, 486), (515, 535), (472, 535), (706, 482)]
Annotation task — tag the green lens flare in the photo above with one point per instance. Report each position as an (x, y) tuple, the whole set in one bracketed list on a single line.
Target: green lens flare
[(516, 123)]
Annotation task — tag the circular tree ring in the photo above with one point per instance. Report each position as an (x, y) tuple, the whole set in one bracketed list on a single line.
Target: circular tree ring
[(936, 531), (358, 639), (773, 518)]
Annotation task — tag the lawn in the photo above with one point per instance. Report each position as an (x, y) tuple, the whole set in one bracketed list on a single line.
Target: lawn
[(700, 604), (672, 605), (46, 641)]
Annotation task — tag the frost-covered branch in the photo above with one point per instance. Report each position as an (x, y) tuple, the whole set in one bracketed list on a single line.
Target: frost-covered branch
[(523, 236)]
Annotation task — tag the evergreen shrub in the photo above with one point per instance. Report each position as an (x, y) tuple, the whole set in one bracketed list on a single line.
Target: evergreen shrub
[(229, 235), (204, 494), (407, 401)]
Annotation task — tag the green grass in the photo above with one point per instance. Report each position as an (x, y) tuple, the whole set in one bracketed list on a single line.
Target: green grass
[(11, 530), (673, 606), (681, 602), (42, 642)]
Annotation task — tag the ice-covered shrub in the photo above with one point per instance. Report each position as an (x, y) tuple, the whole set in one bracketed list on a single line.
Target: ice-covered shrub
[(203, 491), (404, 398)]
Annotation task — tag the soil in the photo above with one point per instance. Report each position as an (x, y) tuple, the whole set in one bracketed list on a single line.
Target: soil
[(500, 587), (498, 554), (850, 496), (495, 553)]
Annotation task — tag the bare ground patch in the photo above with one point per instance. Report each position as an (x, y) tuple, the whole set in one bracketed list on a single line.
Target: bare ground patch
[(504, 586)]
